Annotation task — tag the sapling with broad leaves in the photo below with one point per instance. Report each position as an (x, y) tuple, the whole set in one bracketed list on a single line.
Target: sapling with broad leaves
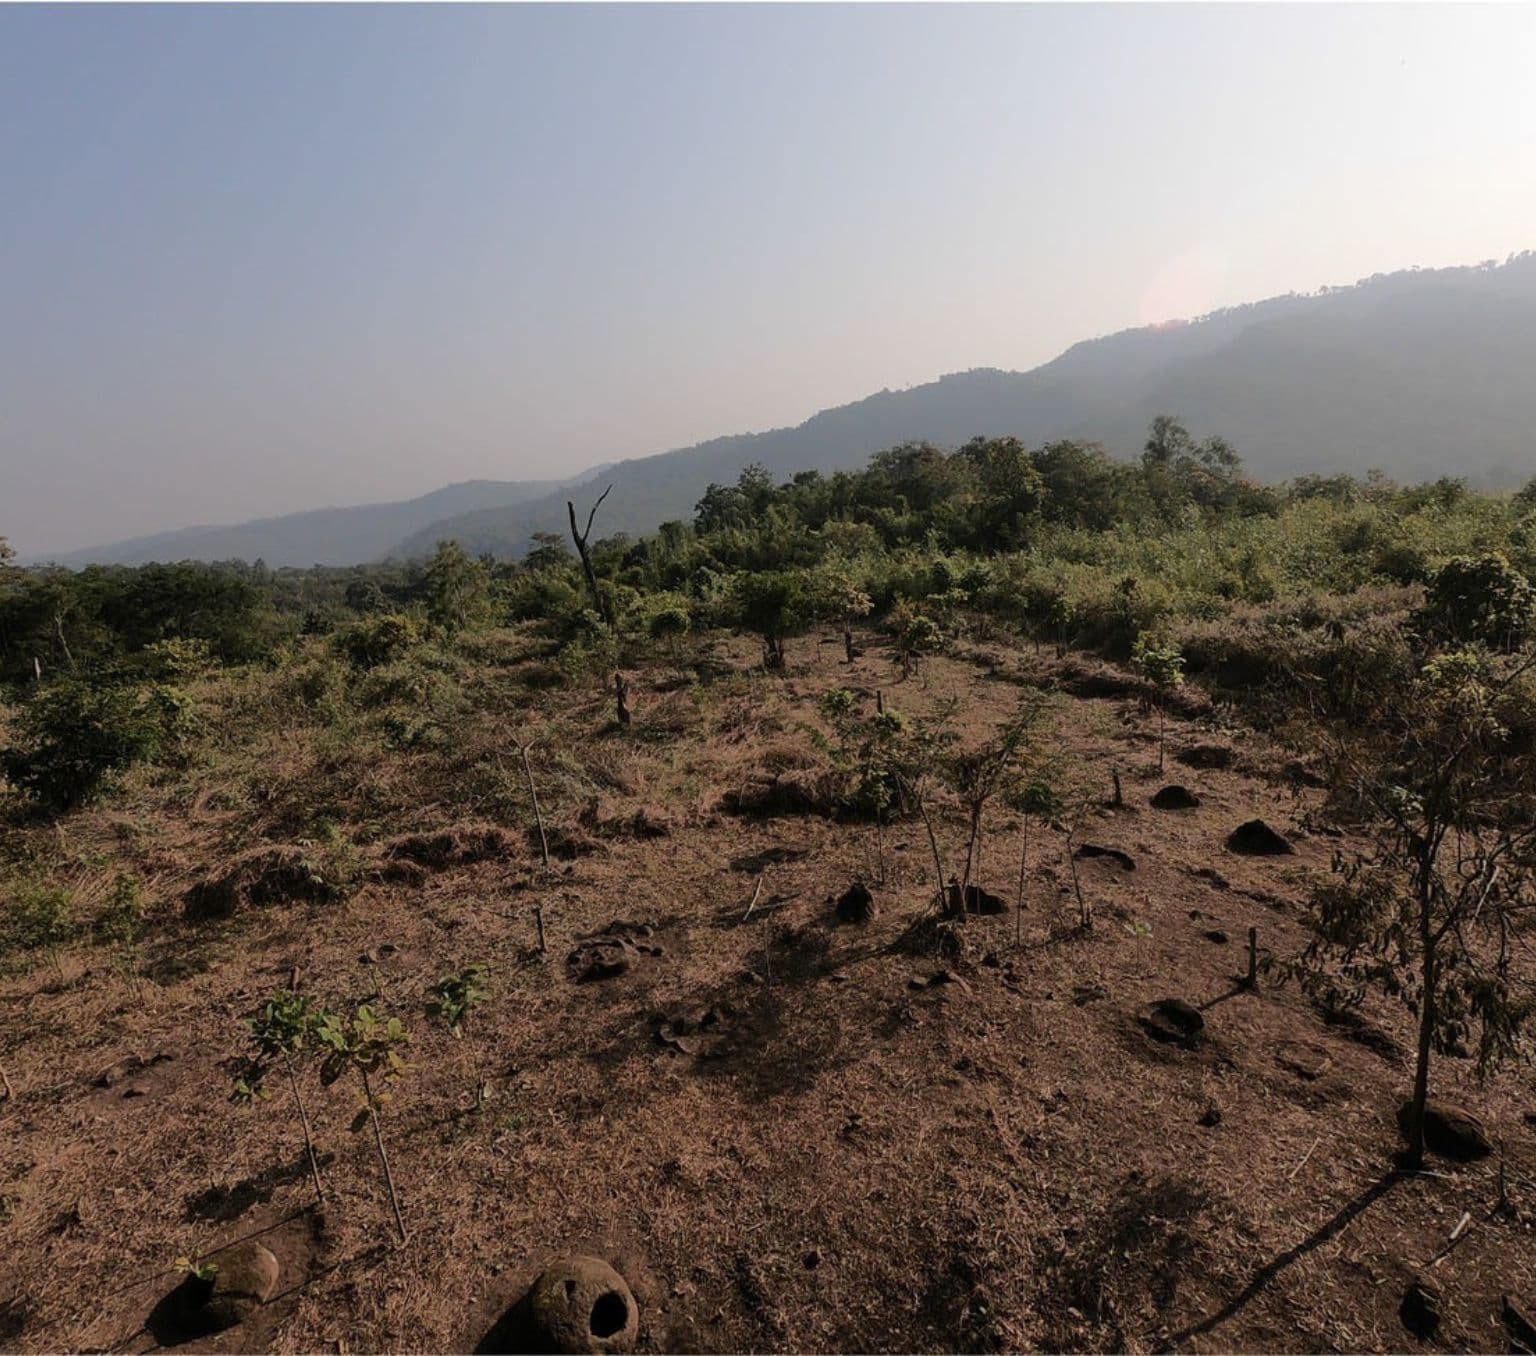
[(838, 597), (366, 1044), (283, 1031), (868, 748), (452, 999), (976, 775), (454, 995), (1162, 666)]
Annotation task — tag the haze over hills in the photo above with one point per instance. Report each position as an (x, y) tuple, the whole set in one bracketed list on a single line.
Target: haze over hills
[(1420, 373), (327, 536)]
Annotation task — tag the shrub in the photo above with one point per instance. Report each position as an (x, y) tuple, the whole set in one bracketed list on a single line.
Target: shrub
[(1481, 599), (75, 737), (378, 640), (40, 917)]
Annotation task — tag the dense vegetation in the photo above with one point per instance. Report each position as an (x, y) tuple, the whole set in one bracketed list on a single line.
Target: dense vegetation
[(1063, 542)]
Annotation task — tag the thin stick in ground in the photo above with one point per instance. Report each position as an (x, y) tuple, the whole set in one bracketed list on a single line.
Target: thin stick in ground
[(389, 1176), (538, 814), (309, 1141)]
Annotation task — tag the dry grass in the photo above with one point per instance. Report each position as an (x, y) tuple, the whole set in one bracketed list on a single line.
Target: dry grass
[(849, 1162)]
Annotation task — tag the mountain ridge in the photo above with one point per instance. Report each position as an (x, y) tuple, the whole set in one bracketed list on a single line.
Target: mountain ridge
[(1420, 372), (334, 535)]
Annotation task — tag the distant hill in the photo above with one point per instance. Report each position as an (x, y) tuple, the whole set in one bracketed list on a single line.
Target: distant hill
[(1422, 373), (328, 536)]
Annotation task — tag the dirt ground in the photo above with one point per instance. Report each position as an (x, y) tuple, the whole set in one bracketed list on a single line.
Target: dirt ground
[(849, 1153)]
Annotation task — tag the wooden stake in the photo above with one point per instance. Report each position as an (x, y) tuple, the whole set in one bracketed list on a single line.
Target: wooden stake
[(1252, 981), (1119, 800), (538, 814), (538, 918), (621, 692), (752, 903)]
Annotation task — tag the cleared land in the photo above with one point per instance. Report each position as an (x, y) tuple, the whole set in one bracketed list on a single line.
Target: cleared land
[(786, 1132)]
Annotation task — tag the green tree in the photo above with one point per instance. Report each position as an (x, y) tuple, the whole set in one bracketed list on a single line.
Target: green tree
[(456, 588), (366, 1044), (775, 606), (1162, 666), (1430, 913), (283, 1031)]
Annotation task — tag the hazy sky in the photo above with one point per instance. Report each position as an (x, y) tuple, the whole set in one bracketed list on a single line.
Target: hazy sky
[(254, 260)]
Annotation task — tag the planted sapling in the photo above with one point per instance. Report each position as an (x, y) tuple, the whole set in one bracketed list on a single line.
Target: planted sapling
[(452, 998), (1163, 666), (283, 1031), (454, 995), (366, 1042)]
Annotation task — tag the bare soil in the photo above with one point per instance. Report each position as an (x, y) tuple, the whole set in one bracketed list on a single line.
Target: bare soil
[(787, 1132)]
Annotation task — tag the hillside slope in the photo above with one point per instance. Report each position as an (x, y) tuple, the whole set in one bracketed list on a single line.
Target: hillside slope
[(789, 1133), (1419, 373)]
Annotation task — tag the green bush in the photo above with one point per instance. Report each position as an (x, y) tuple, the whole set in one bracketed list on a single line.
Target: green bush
[(76, 737), (1479, 599), (39, 917), (378, 640)]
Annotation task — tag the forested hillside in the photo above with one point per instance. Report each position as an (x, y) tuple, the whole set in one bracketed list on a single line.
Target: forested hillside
[(1418, 374)]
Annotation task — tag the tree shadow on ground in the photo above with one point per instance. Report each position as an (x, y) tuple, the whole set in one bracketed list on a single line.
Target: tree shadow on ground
[(1262, 1278)]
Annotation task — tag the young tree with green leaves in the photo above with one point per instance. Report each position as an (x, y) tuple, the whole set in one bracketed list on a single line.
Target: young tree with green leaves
[(1431, 912), (456, 588), (455, 995), (774, 605), (1162, 666), (366, 1044), (283, 1032), (1479, 600)]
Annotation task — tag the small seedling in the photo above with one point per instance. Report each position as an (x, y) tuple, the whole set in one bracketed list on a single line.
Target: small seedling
[(1163, 666), (366, 1042), (282, 1030), (454, 995), (197, 1270)]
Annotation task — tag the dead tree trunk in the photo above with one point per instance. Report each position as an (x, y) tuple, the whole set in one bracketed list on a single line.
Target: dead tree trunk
[(580, 538), (621, 696)]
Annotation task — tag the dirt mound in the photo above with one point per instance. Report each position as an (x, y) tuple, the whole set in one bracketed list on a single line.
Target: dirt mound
[(565, 844), (648, 821), (977, 900), (1207, 756), (1089, 851), (242, 1279), (1175, 797), (280, 874), (1256, 839), (701, 1031), (461, 845), (794, 792), (581, 1304), (1172, 1021), (611, 952), (1448, 1131)]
